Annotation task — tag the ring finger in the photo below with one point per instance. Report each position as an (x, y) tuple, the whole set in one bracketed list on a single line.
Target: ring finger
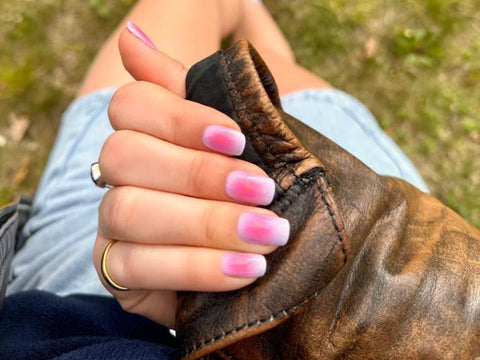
[(152, 217), (165, 267)]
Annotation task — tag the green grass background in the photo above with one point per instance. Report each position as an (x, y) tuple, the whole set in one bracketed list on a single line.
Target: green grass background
[(414, 63)]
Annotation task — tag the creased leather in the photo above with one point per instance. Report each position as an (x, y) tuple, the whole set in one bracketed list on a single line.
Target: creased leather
[(374, 269), (9, 219)]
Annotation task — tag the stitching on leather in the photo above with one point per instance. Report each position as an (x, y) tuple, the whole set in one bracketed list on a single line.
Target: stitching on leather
[(300, 185), (227, 354), (335, 225), (273, 317), (282, 313), (242, 108), (231, 85), (285, 312)]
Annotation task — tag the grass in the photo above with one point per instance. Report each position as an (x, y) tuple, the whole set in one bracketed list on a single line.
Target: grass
[(414, 63)]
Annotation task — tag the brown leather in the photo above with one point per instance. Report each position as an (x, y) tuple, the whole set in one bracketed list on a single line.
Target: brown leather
[(374, 269)]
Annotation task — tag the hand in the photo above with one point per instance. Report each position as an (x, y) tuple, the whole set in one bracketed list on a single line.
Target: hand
[(182, 210)]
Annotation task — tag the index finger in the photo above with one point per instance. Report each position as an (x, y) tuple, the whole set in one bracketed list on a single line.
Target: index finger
[(154, 110)]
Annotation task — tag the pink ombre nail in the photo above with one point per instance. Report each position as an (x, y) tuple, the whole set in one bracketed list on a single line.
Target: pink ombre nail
[(250, 188), (244, 265), (263, 229), (139, 34), (224, 140)]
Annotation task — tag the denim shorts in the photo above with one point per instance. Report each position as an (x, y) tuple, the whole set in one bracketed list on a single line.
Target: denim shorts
[(60, 233)]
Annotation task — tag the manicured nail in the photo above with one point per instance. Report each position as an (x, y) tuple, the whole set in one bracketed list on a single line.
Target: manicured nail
[(263, 229), (139, 34), (244, 265), (250, 188), (224, 140)]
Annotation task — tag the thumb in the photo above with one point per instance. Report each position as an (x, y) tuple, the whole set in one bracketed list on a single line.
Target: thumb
[(145, 63)]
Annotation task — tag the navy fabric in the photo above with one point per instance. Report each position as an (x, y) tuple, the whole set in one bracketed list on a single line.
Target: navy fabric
[(37, 325)]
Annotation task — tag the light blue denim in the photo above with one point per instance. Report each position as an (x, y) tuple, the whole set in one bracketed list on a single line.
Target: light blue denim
[(61, 232)]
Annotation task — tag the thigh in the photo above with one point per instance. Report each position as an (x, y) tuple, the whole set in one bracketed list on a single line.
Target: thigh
[(61, 230)]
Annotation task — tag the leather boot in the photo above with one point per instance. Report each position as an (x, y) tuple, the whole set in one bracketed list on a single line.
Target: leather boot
[(374, 269)]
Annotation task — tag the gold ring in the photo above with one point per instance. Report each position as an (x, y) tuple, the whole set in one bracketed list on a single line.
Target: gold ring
[(105, 273)]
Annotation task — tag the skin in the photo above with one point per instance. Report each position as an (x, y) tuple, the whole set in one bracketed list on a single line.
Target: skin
[(174, 227)]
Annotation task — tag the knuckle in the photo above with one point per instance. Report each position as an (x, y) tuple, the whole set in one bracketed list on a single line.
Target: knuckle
[(112, 150), (116, 106), (179, 71), (178, 115), (208, 234), (173, 132), (106, 153), (205, 170), (115, 211), (198, 166), (119, 104)]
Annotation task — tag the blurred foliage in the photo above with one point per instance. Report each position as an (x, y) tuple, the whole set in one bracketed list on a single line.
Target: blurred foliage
[(414, 63), (46, 47)]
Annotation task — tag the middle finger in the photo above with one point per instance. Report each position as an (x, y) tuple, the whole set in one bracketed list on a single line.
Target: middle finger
[(136, 159)]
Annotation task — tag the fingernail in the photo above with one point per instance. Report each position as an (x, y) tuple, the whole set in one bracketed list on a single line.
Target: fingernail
[(244, 265), (139, 34), (263, 229), (224, 140), (250, 188)]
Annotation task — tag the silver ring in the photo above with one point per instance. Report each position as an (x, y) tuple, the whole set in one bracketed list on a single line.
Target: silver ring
[(96, 175)]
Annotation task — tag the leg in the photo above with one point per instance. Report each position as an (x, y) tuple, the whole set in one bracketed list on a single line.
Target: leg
[(62, 228), (258, 27), (185, 30)]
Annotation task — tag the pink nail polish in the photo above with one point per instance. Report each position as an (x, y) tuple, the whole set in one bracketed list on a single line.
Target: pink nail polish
[(224, 140), (139, 34), (250, 188), (244, 265), (263, 229)]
